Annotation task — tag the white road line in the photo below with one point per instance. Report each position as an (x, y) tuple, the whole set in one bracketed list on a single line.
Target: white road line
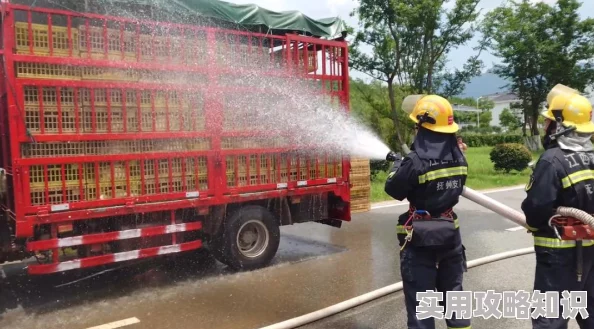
[(517, 228), (389, 205), (484, 192), (117, 324), (505, 189), (2, 273)]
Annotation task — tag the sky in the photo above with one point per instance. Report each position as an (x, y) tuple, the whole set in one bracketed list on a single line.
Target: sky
[(343, 8)]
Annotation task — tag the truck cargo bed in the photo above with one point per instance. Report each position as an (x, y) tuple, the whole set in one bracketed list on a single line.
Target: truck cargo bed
[(110, 116)]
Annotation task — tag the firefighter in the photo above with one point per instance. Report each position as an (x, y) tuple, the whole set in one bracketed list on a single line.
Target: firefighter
[(563, 177), (431, 177)]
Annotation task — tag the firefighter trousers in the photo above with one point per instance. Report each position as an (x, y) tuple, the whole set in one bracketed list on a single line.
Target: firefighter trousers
[(556, 271), (423, 270)]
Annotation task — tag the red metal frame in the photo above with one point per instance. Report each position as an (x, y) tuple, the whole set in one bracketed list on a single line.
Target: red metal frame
[(90, 239), (114, 258), (49, 114)]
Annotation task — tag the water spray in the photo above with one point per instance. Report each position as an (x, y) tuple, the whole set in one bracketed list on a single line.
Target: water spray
[(408, 105), (299, 116), (328, 129)]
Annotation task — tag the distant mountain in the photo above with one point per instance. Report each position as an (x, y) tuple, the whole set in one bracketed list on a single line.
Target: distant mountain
[(486, 84), (490, 83)]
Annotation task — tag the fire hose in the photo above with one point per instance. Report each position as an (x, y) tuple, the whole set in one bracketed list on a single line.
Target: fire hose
[(381, 292), (575, 225), (472, 195), (584, 217), (495, 206)]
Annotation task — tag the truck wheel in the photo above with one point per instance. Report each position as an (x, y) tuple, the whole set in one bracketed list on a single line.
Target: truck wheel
[(250, 239), (216, 247)]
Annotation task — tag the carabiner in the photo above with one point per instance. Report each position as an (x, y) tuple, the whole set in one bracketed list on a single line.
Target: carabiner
[(554, 227)]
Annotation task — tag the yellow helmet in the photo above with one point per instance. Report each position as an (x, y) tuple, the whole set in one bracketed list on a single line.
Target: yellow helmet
[(436, 109), (574, 108)]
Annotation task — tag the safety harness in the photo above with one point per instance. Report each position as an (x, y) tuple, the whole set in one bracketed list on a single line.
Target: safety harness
[(572, 229), (414, 215)]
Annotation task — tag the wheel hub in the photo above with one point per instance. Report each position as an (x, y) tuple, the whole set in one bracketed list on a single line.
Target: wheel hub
[(249, 237), (252, 239)]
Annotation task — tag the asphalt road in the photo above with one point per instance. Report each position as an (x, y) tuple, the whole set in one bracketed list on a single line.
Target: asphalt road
[(316, 266)]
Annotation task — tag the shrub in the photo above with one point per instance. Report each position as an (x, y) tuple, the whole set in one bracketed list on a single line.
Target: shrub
[(490, 140), (377, 166), (510, 156)]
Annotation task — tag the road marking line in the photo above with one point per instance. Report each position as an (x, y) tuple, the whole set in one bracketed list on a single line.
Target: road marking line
[(389, 205), (117, 324), (517, 228), (2, 273), (506, 189)]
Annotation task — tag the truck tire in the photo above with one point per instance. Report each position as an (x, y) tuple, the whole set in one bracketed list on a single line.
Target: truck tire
[(216, 246), (249, 239)]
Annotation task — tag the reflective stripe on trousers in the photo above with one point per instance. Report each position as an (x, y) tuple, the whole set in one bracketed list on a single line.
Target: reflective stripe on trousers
[(556, 243), (400, 228)]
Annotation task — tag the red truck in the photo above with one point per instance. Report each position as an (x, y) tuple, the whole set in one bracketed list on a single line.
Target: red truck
[(118, 140)]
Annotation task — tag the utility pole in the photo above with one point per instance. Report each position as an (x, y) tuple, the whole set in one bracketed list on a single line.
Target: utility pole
[(478, 120)]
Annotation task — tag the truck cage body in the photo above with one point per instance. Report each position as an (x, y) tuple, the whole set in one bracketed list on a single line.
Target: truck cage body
[(116, 129)]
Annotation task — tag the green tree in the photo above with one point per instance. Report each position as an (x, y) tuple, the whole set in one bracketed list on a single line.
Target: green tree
[(469, 101), (541, 46), (410, 41), (486, 104), (464, 117), (485, 118), (509, 120)]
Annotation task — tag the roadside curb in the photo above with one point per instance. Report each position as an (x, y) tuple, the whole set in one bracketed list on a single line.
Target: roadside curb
[(386, 204)]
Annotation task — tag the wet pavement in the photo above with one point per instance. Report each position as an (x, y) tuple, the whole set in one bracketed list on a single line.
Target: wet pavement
[(389, 312), (316, 266)]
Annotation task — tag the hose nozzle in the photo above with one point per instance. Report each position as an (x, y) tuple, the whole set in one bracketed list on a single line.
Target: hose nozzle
[(391, 156)]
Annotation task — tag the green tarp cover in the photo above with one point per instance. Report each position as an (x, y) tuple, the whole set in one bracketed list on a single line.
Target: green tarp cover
[(249, 16), (255, 15)]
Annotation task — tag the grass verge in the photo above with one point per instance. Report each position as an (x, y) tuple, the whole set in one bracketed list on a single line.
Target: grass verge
[(481, 174)]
